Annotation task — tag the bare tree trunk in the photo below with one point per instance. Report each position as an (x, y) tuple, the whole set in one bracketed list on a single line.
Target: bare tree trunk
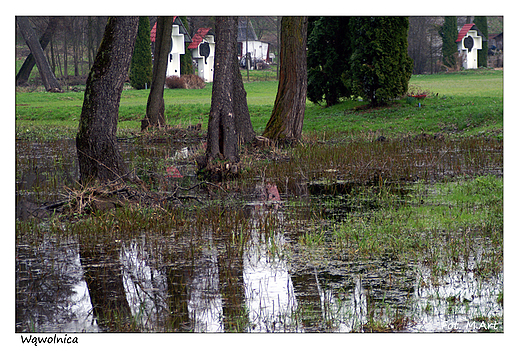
[(25, 71), (90, 40), (95, 33), (65, 55), (286, 120), (96, 139), (229, 120), (155, 105), (75, 43), (49, 80)]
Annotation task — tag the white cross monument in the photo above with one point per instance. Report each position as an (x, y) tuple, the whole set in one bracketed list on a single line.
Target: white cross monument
[(469, 42)]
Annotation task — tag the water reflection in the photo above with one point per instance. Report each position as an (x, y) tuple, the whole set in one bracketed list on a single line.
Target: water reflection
[(71, 286), (120, 285), (459, 302), (205, 304), (145, 287), (211, 282), (51, 294), (269, 290)]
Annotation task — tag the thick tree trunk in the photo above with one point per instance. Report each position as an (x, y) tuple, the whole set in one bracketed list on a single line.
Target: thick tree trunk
[(49, 80), (286, 120), (229, 121), (243, 124), (155, 105), (25, 71), (96, 139)]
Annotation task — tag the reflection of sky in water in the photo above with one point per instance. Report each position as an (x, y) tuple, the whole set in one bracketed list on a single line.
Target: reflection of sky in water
[(445, 306), (80, 304), (269, 290), (145, 287), (205, 304)]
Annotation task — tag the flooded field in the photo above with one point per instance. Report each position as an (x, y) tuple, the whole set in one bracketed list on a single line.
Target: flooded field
[(345, 236)]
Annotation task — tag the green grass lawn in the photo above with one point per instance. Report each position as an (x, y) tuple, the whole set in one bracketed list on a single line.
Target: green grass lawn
[(469, 102)]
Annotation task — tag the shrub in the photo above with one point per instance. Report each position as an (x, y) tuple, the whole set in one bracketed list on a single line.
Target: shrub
[(193, 81), (189, 81), (174, 82)]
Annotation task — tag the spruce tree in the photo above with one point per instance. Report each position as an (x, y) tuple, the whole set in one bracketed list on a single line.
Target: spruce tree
[(141, 65), (186, 59), (481, 23), (380, 66), (449, 33), (328, 53)]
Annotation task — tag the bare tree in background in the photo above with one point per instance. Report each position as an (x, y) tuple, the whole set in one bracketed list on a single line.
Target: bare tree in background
[(25, 71), (49, 80)]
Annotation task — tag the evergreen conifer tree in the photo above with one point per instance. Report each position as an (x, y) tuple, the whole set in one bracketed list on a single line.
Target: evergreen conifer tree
[(380, 66), (449, 33), (186, 59), (328, 54), (481, 23), (141, 65)]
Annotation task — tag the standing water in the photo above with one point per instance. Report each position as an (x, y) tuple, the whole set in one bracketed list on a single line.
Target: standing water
[(230, 266)]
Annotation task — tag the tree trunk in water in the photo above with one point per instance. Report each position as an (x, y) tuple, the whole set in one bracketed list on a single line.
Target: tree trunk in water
[(243, 124), (286, 120), (96, 139), (229, 120), (155, 105), (25, 71), (49, 80)]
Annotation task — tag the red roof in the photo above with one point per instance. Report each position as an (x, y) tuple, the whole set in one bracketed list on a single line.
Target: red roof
[(197, 38), (154, 30), (465, 29)]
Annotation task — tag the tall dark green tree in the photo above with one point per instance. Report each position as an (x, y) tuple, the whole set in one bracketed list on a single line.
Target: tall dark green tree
[(141, 65), (328, 53), (380, 66), (448, 32), (186, 60), (481, 23)]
